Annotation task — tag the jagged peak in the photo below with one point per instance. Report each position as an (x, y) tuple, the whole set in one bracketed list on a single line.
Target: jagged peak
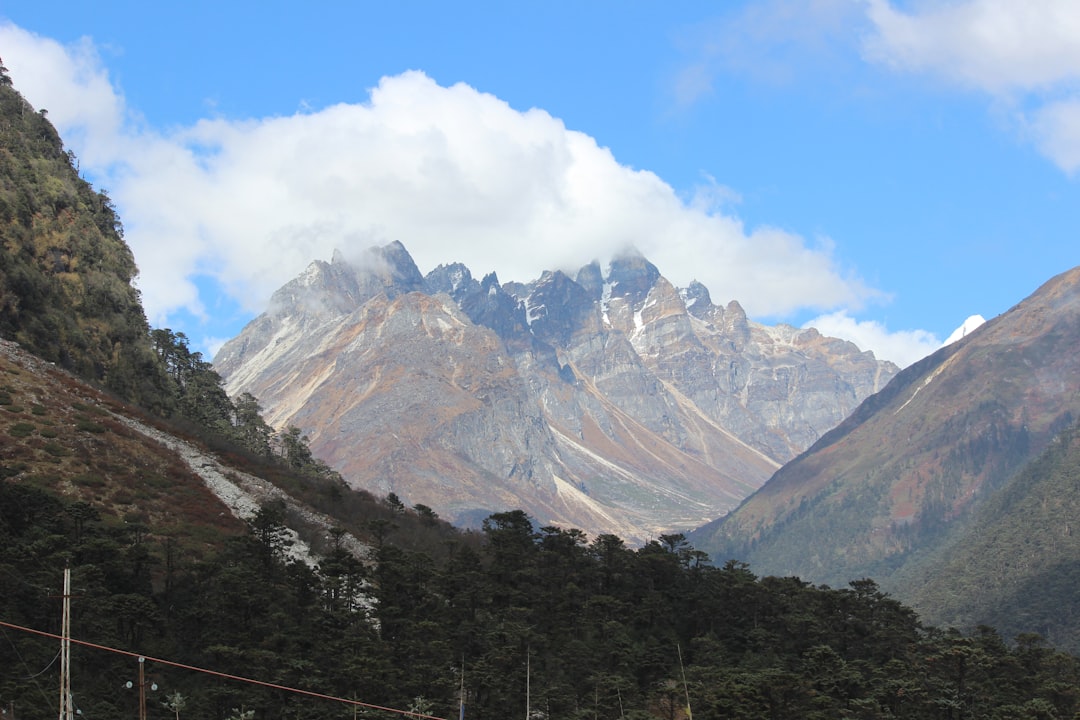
[(696, 298), (400, 261), (591, 277), (553, 277), (632, 276), (393, 268), (736, 324), (734, 308), (454, 279)]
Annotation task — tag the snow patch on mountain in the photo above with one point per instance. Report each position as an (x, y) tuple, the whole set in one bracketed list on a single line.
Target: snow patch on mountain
[(605, 300), (533, 312)]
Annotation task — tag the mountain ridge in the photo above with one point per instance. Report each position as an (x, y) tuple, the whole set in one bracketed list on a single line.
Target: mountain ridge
[(610, 400), (903, 479)]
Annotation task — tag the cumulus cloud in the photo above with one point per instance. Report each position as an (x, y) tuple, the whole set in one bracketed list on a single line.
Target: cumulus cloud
[(1055, 129), (454, 173), (903, 347), (993, 45), (1021, 53), (72, 84)]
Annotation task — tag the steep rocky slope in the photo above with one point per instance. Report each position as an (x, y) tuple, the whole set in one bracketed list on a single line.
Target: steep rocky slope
[(611, 401), (893, 490), (66, 437)]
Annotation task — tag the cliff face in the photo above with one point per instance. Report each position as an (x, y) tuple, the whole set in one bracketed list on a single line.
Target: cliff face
[(611, 401)]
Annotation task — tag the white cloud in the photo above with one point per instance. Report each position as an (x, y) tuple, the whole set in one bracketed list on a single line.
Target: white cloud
[(71, 83), (1024, 54), (903, 347), (993, 45), (974, 322), (1021, 53), (1055, 129), (454, 173)]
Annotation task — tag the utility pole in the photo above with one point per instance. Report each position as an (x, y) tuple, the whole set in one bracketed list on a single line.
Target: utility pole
[(142, 688), (461, 701), (67, 710)]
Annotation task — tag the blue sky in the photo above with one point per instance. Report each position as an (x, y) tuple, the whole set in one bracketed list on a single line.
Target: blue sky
[(880, 171)]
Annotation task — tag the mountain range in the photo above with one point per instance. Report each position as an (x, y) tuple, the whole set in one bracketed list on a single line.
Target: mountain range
[(611, 400), (606, 399)]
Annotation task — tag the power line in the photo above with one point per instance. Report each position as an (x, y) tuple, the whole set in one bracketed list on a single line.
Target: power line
[(227, 676)]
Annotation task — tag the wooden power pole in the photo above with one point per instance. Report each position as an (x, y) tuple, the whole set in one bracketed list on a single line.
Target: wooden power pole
[(67, 709)]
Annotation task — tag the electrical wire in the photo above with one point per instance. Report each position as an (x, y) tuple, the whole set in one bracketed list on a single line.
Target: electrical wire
[(23, 661), (227, 676), (40, 672)]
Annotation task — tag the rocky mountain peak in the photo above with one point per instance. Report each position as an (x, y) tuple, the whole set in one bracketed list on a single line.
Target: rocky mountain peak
[(591, 278), (736, 325), (490, 283), (455, 280), (325, 290), (394, 267), (485, 302), (697, 300), (631, 276), (557, 307), (588, 401)]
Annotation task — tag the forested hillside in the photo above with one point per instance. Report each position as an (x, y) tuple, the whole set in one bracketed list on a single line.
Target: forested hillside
[(66, 292), (66, 274), (576, 628), (1017, 567)]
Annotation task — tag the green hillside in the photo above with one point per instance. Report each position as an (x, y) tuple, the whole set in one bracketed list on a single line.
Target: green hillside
[(66, 274), (1017, 566)]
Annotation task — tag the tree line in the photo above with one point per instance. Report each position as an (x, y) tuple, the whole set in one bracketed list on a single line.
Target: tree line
[(506, 618)]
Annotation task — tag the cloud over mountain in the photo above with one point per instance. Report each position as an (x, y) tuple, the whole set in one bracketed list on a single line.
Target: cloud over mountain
[(242, 205)]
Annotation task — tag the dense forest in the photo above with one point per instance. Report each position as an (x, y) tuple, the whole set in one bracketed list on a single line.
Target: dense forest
[(509, 617)]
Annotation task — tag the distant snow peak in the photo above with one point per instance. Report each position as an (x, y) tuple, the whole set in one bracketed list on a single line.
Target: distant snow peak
[(965, 329)]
